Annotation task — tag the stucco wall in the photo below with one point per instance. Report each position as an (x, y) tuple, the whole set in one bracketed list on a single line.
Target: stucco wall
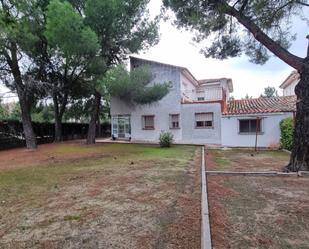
[(187, 88), (289, 90), (170, 104), (193, 135), (270, 131)]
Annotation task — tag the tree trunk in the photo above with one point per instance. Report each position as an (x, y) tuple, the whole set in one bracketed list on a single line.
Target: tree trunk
[(22, 93), (27, 124), (99, 126), (59, 109), (300, 153), (93, 120), (58, 129)]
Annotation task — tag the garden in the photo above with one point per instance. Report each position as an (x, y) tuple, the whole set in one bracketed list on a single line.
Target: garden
[(256, 211), (70, 195)]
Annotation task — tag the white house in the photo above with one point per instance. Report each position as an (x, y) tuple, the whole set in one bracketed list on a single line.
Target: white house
[(288, 85), (198, 112), (249, 121)]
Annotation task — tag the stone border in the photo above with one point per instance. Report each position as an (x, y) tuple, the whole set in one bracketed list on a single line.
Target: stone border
[(205, 226), (252, 173)]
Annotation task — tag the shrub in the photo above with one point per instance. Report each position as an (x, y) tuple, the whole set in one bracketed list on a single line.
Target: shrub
[(287, 129), (166, 139)]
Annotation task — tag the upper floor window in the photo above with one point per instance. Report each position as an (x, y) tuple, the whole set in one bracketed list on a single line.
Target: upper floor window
[(249, 125), (204, 120), (200, 95), (174, 121), (148, 122)]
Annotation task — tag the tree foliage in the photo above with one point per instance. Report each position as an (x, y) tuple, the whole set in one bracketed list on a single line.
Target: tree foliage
[(66, 31), (4, 113), (134, 87), (122, 27), (234, 27), (270, 92)]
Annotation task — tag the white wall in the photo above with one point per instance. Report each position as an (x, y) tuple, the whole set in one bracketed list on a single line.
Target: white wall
[(270, 131), (200, 136), (170, 104), (187, 88), (289, 90)]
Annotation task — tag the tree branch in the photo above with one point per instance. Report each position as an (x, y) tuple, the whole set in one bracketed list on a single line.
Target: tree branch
[(301, 3), (308, 46), (242, 8), (292, 60)]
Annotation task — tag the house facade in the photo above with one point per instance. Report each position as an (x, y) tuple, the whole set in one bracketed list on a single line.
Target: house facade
[(247, 122), (194, 111)]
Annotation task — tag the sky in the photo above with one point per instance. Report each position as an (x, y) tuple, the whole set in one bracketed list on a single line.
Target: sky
[(176, 47)]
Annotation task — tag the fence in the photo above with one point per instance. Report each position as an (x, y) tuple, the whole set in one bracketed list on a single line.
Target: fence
[(12, 136)]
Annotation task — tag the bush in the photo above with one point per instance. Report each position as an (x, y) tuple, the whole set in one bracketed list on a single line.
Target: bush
[(166, 139), (287, 129)]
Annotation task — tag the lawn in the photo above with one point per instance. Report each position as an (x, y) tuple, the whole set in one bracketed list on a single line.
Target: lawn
[(246, 160), (105, 196), (256, 212)]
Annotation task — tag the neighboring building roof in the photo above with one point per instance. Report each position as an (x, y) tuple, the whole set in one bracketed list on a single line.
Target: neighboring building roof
[(290, 79), (261, 105)]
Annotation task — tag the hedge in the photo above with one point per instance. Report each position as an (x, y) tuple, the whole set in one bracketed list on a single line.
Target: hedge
[(287, 130), (12, 135)]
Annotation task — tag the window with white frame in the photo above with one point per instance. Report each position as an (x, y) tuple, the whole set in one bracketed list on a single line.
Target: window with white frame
[(204, 120), (250, 125), (148, 122), (174, 121)]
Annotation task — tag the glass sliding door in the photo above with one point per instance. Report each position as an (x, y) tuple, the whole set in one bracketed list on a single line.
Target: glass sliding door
[(121, 126)]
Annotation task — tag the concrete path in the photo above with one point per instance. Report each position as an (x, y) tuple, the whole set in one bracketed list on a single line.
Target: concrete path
[(205, 229)]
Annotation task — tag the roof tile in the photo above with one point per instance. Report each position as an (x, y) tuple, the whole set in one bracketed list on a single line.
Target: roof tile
[(261, 105)]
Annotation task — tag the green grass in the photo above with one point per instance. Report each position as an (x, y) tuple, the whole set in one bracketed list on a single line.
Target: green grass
[(222, 162), (72, 218)]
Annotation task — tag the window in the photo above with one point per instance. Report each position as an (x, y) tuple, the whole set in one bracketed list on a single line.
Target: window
[(204, 120), (148, 122), (249, 125), (174, 121), (200, 95)]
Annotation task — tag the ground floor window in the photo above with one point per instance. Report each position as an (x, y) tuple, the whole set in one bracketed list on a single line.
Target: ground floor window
[(148, 122), (204, 120), (249, 125), (174, 121)]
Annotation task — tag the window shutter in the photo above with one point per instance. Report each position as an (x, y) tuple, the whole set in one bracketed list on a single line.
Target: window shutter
[(200, 116), (208, 116), (175, 118), (148, 121)]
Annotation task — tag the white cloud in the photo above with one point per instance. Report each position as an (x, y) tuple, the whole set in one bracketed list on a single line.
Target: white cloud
[(176, 47)]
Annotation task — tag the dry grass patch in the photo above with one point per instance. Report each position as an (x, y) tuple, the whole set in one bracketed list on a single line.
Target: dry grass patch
[(257, 212), (246, 160), (103, 196)]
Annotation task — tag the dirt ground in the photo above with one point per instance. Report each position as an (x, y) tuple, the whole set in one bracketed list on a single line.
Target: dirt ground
[(104, 196), (246, 160), (257, 212)]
